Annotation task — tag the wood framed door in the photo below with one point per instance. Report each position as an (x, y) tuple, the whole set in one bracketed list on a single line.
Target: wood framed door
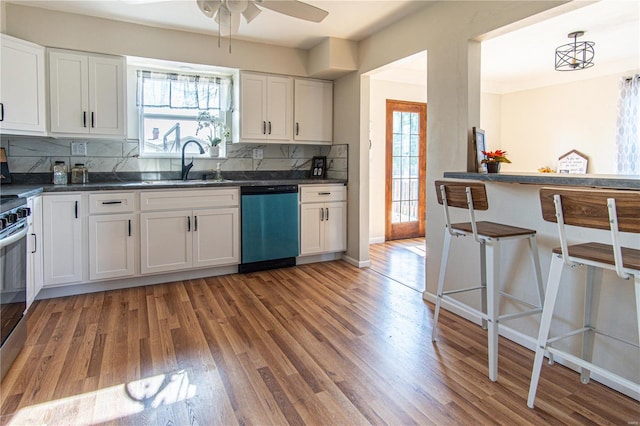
[(406, 147)]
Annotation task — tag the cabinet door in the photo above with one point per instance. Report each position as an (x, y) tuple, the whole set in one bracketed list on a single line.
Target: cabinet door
[(279, 108), (68, 90), (62, 239), (253, 106), (106, 95), (311, 228), (111, 246), (34, 249), (166, 241), (335, 227), (22, 86), (313, 115), (216, 237)]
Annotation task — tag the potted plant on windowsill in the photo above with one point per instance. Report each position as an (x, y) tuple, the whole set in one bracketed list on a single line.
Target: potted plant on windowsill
[(493, 159), (218, 131)]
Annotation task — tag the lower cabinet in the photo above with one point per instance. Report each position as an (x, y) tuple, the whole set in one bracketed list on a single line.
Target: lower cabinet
[(180, 239), (62, 238), (111, 246), (323, 225), (34, 249)]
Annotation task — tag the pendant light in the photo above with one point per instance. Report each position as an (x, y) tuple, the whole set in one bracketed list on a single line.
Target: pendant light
[(575, 56)]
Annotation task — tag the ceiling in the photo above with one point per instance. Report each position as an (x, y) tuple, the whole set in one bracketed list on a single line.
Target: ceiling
[(518, 60)]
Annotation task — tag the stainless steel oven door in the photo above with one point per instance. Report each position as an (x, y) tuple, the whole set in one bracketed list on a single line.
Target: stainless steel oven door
[(13, 279)]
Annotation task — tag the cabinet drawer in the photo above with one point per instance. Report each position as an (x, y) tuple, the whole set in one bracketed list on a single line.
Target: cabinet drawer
[(191, 199), (322, 193), (111, 202)]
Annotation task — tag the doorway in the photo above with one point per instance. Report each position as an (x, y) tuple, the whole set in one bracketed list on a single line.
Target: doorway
[(405, 174)]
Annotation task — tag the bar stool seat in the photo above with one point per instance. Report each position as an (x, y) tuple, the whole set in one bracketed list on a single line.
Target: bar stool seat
[(613, 210), (489, 235)]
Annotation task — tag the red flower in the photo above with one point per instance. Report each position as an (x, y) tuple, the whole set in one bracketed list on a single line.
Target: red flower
[(498, 156)]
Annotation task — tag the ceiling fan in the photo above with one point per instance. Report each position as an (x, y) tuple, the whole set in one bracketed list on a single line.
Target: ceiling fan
[(226, 13)]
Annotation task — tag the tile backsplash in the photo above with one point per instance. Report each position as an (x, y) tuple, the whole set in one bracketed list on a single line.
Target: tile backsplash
[(36, 155)]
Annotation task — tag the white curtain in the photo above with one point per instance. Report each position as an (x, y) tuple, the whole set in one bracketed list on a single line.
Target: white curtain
[(156, 89), (628, 123)]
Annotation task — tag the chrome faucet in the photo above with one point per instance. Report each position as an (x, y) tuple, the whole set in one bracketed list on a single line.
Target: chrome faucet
[(187, 167)]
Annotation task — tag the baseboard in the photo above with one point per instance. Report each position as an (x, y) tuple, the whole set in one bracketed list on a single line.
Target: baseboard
[(356, 263), (528, 342), (315, 258), (376, 240)]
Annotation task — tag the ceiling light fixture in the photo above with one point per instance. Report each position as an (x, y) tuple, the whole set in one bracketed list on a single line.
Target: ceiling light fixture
[(575, 56)]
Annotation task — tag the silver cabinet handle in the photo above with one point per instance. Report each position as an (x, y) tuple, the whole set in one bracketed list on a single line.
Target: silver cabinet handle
[(297, 129), (264, 127), (327, 209), (35, 243), (269, 127), (321, 214)]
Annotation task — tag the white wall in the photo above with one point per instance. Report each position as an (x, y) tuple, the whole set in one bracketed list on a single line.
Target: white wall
[(380, 91), (537, 126)]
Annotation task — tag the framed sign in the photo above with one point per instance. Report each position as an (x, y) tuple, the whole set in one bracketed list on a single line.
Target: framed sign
[(572, 162), (480, 145), (318, 167)]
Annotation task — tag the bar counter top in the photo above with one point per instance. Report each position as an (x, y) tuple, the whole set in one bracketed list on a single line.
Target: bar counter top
[(586, 180)]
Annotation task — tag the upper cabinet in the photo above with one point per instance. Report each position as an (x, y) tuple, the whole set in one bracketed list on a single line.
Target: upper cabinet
[(266, 108), (86, 93), (22, 87), (313, 111)]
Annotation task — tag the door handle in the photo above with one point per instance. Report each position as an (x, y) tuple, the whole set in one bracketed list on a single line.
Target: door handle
[(129, 227), (112, 202), (35, 243), (76, 209), (93, 123), (269, 127), (297, 129), (84, 119), (264, 127), (195, 224), (321, 214), (327, 215), (188, 223), (1, 111)]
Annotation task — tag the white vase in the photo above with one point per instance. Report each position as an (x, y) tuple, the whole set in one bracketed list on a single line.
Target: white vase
[(214, 151)]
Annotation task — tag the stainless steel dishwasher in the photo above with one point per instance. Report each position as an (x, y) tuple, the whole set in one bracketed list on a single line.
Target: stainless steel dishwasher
[(269, 227)]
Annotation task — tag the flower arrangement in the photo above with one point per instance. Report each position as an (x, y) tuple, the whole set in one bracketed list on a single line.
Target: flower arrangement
[(218, 130), (497, 156)]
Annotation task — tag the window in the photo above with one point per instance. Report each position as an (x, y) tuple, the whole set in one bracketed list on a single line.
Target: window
[(172, 110)]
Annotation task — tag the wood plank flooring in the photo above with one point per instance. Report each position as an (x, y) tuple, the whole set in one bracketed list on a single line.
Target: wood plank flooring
[(320, 344), (401, 260)]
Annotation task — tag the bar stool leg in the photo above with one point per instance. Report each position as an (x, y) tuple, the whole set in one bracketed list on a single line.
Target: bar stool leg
[(553, 285), (493, 300), (483, 281), (535, 258), (591, 303), (443, 269)]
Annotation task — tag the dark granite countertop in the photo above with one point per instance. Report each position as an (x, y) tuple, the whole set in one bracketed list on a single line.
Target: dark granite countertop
[(31, 189), (587, 180)]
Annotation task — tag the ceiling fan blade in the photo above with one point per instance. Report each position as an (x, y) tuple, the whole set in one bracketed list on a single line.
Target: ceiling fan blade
[(209, 7), (296, 9), (251, 12), (228, 23)]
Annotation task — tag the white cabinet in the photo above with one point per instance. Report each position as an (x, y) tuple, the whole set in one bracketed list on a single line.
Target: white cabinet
[(313, 111), (22, 87), (62, 238), (266, 108), (205, 233), (323, 219), (34, 249), (112, 233), (86, 93)]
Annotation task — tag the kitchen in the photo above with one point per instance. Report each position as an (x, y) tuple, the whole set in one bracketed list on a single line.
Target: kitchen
[(440, 37)]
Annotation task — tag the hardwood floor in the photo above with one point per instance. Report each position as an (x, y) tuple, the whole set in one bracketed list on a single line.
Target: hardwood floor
[(401, 260), (314, 344)]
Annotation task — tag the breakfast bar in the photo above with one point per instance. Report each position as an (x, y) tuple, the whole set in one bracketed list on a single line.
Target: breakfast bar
[(514, 198)]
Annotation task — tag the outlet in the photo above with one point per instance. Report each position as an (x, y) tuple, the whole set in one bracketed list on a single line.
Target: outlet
[(79, 149), (258, 154)]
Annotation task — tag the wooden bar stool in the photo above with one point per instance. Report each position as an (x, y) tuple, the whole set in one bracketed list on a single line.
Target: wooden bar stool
[(613, 210), (473, 196)]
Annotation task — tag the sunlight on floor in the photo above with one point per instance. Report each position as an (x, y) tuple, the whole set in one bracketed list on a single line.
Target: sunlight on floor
[(110, 403)]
